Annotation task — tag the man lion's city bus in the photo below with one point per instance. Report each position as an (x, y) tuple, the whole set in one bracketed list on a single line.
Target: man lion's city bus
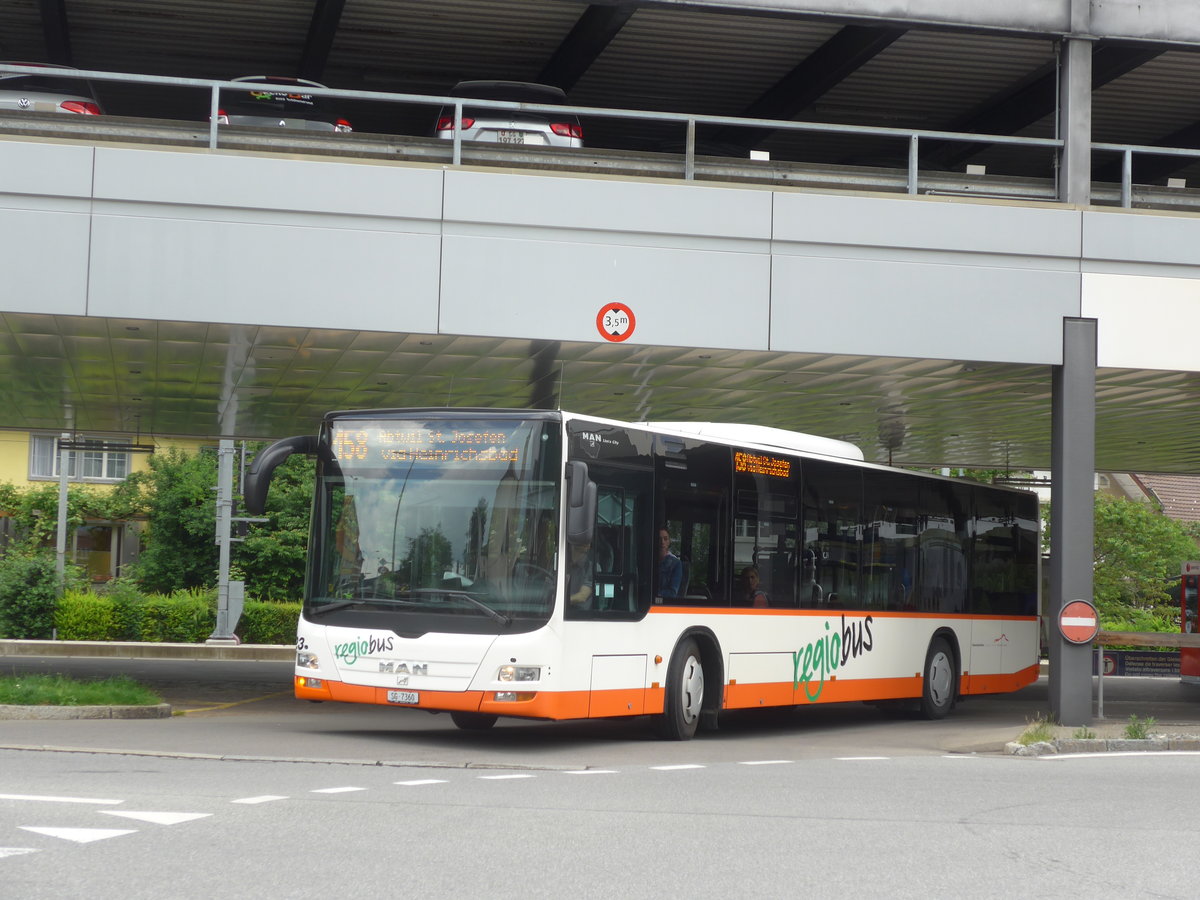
[(547, 565)]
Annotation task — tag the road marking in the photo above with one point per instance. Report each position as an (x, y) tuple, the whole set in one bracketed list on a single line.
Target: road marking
[(420, 781), (859, 758), (765, 762), (676, 768), (16, 851), (266, 798), (46, 799), (156, 818), (341, 790), (503, 777), (78, 835), (591, 772), (1117, 753)]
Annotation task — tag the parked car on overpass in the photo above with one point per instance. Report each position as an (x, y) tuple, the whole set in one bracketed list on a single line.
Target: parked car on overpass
[(279, 101), (500, 126), (46, 93)]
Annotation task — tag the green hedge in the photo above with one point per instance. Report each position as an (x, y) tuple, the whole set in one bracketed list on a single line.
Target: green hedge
[(183, 617)]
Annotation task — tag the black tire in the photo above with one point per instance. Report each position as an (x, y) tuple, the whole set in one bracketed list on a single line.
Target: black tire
[(685, 694), (473, 721), (939, 684)]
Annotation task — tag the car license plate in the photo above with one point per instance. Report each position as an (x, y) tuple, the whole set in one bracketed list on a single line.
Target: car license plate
[(510, 137), (409, 697)]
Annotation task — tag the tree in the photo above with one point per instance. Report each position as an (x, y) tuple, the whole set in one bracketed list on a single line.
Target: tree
[(180, 549), (272, 557), (1138, 553)]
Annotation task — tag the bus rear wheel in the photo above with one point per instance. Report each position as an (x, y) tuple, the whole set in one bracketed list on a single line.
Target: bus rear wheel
[(473, 721), (685, 695), (937, 693)]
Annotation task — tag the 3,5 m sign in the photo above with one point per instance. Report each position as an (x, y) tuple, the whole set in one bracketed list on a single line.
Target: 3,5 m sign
[(615, 322)]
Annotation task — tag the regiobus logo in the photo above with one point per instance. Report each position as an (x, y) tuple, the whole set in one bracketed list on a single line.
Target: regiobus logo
[(817, 660)]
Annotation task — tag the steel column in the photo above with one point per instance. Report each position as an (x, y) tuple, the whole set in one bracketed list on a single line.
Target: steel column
[(1073, 463)]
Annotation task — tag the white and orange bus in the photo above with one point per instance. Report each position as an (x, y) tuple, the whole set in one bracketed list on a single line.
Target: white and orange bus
[(492, 563)]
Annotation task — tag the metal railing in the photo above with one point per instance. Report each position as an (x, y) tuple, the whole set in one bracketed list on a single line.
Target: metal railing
[(688, 123)]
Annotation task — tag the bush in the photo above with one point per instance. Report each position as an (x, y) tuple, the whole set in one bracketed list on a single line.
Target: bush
[(122, 613), (264, 622), (29, 593), (84, 616)]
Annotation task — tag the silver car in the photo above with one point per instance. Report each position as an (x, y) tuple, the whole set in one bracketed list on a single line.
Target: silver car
[(279, 101), (500, 126), (45, 93)]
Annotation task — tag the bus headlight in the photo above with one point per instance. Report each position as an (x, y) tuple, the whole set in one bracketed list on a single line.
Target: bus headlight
[(306, 660), (519, 673)]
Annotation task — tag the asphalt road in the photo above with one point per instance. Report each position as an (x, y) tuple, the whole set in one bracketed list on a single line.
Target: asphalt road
[(125, 827)]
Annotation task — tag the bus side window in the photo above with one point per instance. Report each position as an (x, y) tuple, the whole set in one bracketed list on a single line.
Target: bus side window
[(832, 536)]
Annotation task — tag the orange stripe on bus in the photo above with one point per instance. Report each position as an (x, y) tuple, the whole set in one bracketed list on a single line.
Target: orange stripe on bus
[(651, 701)]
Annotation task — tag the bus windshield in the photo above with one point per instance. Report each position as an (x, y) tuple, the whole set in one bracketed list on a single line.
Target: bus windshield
[(429, 523)]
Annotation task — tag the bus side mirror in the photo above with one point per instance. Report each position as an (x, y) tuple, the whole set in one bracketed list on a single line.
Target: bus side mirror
[(581, 504), (258, 478)]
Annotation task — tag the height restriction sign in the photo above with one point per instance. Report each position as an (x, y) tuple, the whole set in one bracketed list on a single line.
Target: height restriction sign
[(1078, 622), (615, 322)]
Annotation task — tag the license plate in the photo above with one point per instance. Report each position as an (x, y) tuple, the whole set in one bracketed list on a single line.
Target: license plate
[(409, 697), (510, 137)]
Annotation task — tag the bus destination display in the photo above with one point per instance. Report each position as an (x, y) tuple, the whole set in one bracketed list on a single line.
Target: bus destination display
[(424, 445), (757, 464)]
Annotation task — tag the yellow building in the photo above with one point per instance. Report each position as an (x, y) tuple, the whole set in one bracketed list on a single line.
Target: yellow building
[(30, 458)]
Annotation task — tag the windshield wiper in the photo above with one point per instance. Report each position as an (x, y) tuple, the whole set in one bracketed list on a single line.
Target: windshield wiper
[(360, 601), (463, 595)]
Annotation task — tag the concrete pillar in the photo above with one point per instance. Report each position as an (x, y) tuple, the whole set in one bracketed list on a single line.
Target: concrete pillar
[(1072, 501), (1075, 108)]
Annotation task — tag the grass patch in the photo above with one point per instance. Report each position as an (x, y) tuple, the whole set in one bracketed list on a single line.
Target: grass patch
[(1083, 733), (1139, 729), (1036, 731), (59, 690)]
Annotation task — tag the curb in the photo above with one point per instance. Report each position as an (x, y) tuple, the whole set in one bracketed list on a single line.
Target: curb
[(158, 711), (140, 650), (1115, 745)]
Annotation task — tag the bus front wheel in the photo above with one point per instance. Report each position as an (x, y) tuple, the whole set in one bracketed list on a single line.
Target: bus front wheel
[(937, 694), (685, 695), (473, 721)]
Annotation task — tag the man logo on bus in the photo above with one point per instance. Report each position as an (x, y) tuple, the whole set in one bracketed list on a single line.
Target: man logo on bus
[(827, 653)]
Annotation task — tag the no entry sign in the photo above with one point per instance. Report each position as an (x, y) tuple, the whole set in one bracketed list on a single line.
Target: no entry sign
[(1078, 622)]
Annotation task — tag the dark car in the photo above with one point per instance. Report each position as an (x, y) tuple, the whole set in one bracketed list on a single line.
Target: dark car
[(279, 101), (518, 126)]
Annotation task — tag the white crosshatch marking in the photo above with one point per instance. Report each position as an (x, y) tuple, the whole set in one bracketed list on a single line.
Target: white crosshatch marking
[(266, 798), (49, 799), (420, 781), (16, 851), (79, 835), (337, 790), (156, 818)]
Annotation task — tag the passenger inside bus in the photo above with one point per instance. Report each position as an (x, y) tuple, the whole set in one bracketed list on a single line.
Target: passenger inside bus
[(670, 569), (752, 594)]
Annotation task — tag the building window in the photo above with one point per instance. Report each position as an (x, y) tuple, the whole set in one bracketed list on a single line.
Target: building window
[(106, 464)]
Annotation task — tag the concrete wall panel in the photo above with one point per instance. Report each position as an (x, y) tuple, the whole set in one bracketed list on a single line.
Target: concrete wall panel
[(938, 311), (211, 271), (410, 197), (1144, 322), (555, 289), (606, 206), (44, 258)]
